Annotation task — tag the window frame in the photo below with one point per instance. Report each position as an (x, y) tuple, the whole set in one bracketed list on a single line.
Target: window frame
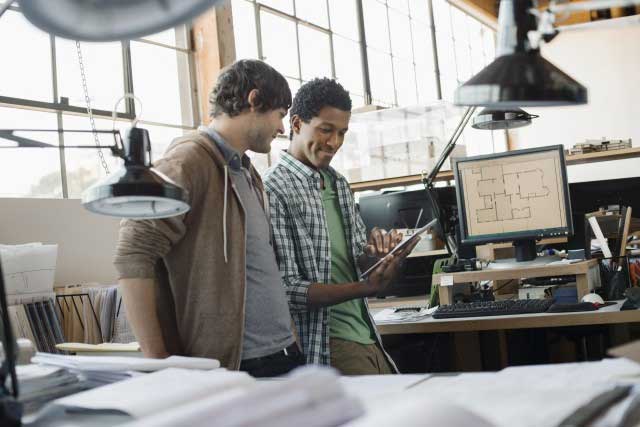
[(187, 91)]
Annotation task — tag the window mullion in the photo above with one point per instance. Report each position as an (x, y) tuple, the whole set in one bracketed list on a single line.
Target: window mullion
[(61, 150)]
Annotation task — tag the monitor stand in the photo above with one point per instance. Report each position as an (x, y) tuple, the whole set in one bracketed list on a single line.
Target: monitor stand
[(525, 250), (526, 256)]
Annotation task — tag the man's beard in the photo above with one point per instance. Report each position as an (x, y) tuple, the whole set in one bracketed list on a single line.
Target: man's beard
[(259, 141)]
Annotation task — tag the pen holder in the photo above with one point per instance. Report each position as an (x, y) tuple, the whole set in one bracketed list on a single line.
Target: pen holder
[(614, 277)]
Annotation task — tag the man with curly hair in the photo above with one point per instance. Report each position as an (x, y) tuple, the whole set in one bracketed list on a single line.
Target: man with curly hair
[(207, 283), (321, 242)]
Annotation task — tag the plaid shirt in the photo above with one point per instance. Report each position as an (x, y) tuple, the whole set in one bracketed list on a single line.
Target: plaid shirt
[(303, 248)]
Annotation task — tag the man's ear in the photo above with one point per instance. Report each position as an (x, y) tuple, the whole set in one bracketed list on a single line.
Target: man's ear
[(296, 123), (253, 100)]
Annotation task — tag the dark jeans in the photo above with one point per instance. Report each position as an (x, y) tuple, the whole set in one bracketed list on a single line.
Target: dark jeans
[(275, 364)]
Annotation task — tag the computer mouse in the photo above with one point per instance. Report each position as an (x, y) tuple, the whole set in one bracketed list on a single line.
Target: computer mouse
[(593, 299)]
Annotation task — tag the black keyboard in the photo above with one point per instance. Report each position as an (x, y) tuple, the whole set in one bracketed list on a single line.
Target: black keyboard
[(492, 308)]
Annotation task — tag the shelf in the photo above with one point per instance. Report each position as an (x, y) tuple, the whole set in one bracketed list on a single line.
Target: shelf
[(602, 156), (575, 159)]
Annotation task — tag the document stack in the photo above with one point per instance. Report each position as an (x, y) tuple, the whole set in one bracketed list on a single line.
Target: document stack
[(308, 396), (101, 370), (40, 385)]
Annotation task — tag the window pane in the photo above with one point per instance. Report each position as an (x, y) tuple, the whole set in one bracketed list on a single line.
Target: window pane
[(441, 17), (158, 75), (356, 101), (489, 42), (348, 64), (477, 54), (175, 37), (83, 165), (426, 80), (422, 44), (244, 24), (161, 137), (463, 61), (282, 5), (400, 28), (459, 25), (399, 5), (344, 18), (279, 43), (294, 85), (376, 25), (315, 53), (381, 77), (405, 78), (313, 11), (103, 68), (446, 56), (448, 86), (419, 10), (277, 146), (29, 172), (26, 58)]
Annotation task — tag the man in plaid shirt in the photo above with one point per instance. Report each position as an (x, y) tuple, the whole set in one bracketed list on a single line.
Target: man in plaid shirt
[(320, 239)]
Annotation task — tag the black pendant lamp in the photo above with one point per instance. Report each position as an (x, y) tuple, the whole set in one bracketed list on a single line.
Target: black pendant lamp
[(519, 76), (491, 119), (137, 190)]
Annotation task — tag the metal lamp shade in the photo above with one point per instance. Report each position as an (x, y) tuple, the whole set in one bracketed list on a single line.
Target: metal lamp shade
[(520, 79), (489, 119), (110, 20), (136, 192)]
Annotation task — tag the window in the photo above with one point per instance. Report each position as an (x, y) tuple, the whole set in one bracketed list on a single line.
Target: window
[(306, 39), (43, 89)]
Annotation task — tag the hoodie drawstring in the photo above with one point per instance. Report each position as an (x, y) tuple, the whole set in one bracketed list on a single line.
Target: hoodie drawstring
[(224, 213)]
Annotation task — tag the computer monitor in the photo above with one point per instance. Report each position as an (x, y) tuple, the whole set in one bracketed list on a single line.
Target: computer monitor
[(518, 196)]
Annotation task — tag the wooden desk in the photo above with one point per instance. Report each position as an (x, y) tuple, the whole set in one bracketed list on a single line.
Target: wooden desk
[(586, 272), (605, 316), (467, 334)]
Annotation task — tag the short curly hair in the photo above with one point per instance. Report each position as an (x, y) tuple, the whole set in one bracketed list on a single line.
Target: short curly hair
[(316, 94), (231, 92)]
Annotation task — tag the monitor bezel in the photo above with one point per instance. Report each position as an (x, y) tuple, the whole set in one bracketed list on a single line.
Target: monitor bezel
[(517, 235)]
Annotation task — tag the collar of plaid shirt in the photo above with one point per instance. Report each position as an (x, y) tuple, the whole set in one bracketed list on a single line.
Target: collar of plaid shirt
[(303, 247)]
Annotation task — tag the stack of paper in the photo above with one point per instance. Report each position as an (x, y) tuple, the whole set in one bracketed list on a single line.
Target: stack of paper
[(309, 396), (145, 395), (39, 385), (529, 396), (100, 370), (403, 314)]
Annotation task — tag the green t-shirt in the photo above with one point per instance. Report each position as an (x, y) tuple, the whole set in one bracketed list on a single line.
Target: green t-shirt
[(349, 320)]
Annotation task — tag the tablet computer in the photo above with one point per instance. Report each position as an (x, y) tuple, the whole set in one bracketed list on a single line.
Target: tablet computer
[(407, 240)]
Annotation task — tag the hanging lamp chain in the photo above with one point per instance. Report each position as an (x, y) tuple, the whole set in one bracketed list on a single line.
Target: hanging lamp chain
[(87, 100)]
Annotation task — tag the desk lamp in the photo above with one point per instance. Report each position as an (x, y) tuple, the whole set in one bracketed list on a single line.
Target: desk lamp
[(136, 191), (428, 182), (492, 119)]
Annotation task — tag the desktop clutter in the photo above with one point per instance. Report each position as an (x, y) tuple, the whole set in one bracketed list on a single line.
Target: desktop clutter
[(510, 242)]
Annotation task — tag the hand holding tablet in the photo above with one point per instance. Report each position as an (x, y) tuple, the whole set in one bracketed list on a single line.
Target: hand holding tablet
[(399, 250)]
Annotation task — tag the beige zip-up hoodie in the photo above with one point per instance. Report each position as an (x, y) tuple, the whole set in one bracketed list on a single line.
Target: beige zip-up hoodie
[(197, 259)]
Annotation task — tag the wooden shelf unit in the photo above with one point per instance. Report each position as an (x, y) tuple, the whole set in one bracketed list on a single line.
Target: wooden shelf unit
[(576, 159), (587, 276)]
